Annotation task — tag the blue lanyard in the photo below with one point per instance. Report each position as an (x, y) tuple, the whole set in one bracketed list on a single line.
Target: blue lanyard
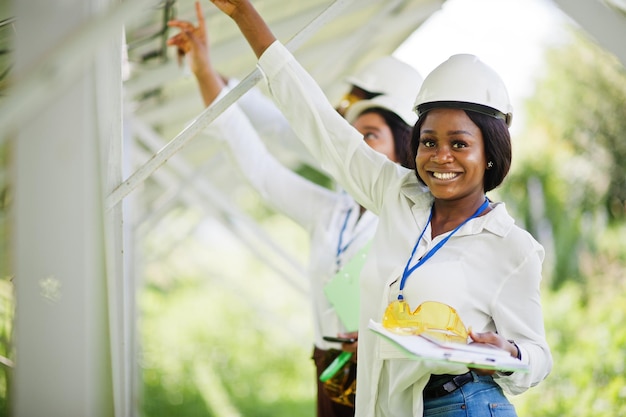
[(341, 249), (408, 271)]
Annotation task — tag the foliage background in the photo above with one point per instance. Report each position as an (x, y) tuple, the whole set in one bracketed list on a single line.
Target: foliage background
[(567, 188), (237, 342)]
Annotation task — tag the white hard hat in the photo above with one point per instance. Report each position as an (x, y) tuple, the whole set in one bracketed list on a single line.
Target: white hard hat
[(387, 75), (464, 81), (398, 105)]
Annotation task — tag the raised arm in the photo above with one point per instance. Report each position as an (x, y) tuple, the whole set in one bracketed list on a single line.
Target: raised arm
[(192, 45), (274, 182), (250, 23), (339, 148)]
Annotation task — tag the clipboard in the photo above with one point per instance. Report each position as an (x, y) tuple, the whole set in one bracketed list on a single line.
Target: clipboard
[(342, 291), (427, 348)]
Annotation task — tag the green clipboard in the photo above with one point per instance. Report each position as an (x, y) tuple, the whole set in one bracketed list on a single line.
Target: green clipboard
[(343, 290)]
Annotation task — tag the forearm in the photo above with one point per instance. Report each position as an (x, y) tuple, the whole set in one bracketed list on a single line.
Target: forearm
[(210, 84), (253, 27), (275, 183), (338, 147)]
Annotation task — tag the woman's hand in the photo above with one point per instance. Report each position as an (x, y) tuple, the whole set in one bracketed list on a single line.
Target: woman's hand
[(250, 23), (227, 6), (192, 42), (350, 347), (494, 340)]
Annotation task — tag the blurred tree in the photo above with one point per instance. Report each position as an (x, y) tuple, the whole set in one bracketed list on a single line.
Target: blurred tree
[(5, 199), (569, 188), (569, 185), (6, 285), (588, 343)]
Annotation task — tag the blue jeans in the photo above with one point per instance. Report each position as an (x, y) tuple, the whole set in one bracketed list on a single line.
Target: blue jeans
[(481, 397)]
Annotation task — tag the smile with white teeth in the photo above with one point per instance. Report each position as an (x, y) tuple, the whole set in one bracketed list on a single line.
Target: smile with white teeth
[(445, 175)]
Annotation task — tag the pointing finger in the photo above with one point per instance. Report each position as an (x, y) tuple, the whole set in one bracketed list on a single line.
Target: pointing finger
[(200, 16)]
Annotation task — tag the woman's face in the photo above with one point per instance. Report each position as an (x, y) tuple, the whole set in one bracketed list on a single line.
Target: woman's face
[(377, 134), (451, 155)]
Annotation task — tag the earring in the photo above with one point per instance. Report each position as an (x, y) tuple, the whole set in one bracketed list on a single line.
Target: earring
[(489, 164)]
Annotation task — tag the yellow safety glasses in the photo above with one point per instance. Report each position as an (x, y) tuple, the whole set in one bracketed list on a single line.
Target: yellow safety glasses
[(346, 101), (430, 318)]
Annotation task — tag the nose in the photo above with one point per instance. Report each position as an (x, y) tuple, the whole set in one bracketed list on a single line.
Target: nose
[(442, 155)]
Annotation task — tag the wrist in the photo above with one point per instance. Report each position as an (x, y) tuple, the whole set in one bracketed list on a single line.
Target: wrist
[(518, 352), (245, 14), (253, 27)]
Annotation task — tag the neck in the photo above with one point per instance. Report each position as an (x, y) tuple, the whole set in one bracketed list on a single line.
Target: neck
[(447, 215)]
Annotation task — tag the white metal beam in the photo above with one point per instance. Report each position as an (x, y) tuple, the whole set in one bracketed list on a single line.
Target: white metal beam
[(211, 112), (200, 192), (55, 69), (120, 284), (64, 365), (606, 26)]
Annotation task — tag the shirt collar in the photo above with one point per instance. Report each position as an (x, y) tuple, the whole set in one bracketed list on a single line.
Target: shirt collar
[(497, 221)]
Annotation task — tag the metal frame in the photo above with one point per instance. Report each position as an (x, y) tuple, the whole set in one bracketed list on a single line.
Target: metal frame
[(59, 294), (73, 254)]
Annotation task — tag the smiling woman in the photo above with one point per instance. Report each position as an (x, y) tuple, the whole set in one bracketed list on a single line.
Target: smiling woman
[(493, 266), (477, 107), (439, 150), (451, 162)]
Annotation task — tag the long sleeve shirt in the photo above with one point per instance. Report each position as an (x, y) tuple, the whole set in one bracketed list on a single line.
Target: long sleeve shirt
[(333, 220), (272, 127), (489, 270)]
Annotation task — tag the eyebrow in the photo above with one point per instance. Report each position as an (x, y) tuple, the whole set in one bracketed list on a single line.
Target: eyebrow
[(450, 132), (371, 127)]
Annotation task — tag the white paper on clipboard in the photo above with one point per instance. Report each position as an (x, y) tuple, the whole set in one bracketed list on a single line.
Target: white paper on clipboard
[(426, 348)]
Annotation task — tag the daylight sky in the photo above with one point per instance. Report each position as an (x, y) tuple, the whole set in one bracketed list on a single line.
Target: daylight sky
[(508, 35)]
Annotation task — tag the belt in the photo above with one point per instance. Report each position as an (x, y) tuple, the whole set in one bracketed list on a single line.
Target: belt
[(447, 386)]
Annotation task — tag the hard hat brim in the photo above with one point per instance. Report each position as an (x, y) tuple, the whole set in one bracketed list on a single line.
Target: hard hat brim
[(423, 108)]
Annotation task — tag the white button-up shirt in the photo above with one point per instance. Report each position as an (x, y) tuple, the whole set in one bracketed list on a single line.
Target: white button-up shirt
[(489, 270), (326, 215)]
